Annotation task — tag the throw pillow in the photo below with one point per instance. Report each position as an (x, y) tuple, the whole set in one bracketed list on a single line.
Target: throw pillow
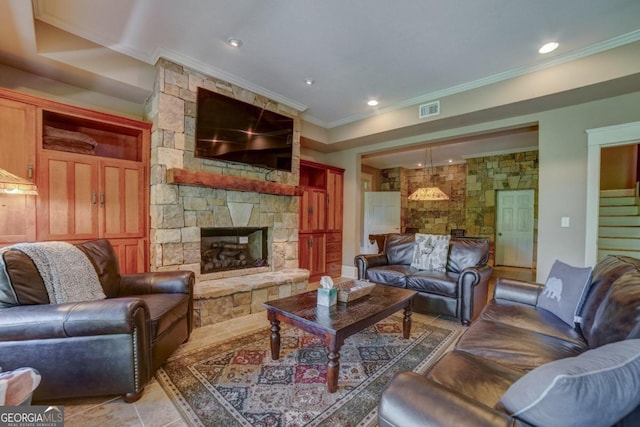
[(565, 290), (596, 388), (431, 252)]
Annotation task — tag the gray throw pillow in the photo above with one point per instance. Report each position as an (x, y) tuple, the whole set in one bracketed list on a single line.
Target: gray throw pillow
[(565, 290), (431, 252), (596, 388)]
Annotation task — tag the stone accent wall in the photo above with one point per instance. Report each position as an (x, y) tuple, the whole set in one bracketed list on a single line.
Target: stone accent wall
[(485, 176), (178, 211), (472, 191)]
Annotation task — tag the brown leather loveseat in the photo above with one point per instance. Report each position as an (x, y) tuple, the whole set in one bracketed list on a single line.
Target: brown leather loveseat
[(89, 348), (521, 365), (460, 291)]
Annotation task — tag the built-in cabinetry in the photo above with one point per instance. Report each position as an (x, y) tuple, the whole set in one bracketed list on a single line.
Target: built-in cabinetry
[(320, 233), (91, 170)]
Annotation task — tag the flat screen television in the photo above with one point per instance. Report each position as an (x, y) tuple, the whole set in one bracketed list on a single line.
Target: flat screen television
[(235, 131)]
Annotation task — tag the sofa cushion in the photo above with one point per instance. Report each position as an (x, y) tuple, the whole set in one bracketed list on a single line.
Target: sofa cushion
[(23, 285), (467, 252), (514, 347), (596, 388), (164, 310), (475, 377), (526, 317), (392, 275), (431, 252), (102, 256), (433, 282), (565, 290), (610, 311), (399, 248)]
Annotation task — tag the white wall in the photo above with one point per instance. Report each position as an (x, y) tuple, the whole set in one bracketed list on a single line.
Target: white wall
[(563, 169)]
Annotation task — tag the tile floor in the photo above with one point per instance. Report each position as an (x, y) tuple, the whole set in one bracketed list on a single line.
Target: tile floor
[(154, 409)]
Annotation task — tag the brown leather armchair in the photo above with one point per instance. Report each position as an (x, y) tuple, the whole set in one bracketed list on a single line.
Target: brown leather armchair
[(102, 347)]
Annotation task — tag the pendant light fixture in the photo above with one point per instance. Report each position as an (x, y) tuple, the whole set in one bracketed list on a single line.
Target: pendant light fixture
[(429, 193)]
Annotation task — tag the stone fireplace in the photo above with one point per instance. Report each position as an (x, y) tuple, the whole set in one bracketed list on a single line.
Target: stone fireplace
[(187, 215), (179, 211), (233, 248)]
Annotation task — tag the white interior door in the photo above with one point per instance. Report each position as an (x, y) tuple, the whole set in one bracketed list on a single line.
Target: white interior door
[(514, 228), (381, 213)]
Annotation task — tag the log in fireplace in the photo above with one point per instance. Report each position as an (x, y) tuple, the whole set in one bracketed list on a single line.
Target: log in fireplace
[(233, 248)]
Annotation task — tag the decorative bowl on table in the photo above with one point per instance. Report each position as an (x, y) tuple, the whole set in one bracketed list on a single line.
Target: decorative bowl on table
[(350, 289)]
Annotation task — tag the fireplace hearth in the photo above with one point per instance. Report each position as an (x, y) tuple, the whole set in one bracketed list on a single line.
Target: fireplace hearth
[(233, 248)]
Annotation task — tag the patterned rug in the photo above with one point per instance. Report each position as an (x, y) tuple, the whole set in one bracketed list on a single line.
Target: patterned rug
[(235, 383)]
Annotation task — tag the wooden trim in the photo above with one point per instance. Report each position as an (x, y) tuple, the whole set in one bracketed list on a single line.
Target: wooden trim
[(227, 182)]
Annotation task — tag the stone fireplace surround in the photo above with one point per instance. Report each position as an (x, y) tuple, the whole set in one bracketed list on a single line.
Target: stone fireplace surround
[(179, 210)]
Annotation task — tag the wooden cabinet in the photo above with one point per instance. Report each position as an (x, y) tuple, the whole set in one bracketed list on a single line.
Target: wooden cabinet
[(18, 148), (85, 198), (92, 175), (312, 210), (313, 253), (335, 180), (320, 233)]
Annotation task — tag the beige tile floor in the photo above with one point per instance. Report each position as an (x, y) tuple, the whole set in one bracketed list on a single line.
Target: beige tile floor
[(155, 409)]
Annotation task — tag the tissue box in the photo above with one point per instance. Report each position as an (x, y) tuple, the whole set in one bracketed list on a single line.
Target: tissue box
[(327, 297)]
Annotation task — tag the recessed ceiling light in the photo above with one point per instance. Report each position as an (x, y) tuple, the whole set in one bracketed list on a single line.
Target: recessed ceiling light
[(450, 161), (372, 102), (309, 82), (549, 47), (234, 42)]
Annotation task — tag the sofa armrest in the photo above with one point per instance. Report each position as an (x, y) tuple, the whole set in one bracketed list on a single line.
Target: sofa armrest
[(80, 319), (410, 400), (159, 282), (473, 285), (363, 262), (517, 291)]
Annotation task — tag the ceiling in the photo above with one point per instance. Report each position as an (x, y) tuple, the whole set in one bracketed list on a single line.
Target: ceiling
[(401, 53)]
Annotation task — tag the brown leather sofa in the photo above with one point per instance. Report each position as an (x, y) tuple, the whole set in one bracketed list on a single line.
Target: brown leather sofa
[(511, 338), (460, 292), (102, 347)]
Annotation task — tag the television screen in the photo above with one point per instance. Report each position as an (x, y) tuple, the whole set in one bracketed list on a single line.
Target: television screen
[(235, 131)]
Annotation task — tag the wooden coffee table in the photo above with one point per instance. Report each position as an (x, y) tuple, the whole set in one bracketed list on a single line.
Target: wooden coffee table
[(335, 324)]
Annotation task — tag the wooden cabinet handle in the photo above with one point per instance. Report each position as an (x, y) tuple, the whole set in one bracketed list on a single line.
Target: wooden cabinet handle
[(101, 199), (94, 198), (30, 171)]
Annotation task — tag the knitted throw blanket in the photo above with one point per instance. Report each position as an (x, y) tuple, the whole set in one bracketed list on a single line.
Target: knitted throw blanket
[(66, 271)]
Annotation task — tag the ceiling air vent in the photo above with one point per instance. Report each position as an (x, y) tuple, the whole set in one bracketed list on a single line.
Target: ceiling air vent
[(428, 110)]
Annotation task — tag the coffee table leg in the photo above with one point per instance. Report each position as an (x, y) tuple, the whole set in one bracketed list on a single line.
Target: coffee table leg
[(275, 339), (333, 368), (406, 322)]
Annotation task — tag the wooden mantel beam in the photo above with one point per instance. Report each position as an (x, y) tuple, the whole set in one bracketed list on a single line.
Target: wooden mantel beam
[(226, 182)]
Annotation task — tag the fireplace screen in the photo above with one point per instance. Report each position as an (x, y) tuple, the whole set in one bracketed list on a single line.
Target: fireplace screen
[(233, 248)]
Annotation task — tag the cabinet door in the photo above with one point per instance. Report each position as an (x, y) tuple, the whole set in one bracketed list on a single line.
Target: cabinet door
[(311, 254), (68, 199), (312, 210), (121, 199), (130, 254), (17, 145), (334, 254), (334, 200)]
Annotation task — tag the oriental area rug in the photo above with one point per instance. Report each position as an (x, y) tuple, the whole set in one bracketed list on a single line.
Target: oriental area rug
[(235, 383)]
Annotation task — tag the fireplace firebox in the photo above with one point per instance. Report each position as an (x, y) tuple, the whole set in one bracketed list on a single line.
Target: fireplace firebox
[(233, 248)]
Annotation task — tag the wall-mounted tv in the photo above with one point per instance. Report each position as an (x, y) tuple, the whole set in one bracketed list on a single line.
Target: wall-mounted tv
[(235, 131)]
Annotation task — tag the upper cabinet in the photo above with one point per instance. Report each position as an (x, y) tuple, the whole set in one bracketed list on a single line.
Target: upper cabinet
[(320, 239), (91, 170), (18, 148)]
